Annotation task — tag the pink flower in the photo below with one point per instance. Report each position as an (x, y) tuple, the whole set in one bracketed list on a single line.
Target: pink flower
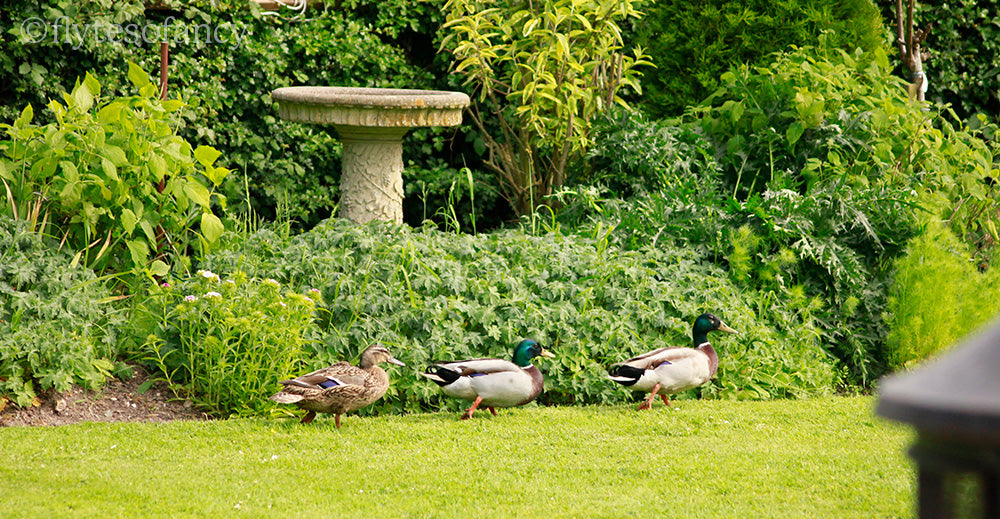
[(190, 299)]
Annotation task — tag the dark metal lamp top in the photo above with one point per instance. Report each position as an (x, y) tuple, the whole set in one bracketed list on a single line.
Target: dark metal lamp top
[(956, 395)]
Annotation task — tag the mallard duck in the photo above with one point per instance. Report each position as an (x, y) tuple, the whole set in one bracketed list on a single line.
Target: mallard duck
[(340, 388), (492, 382), (670, 370)]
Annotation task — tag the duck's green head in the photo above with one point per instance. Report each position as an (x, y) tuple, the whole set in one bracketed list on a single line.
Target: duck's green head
[(527, 350), (707, 323)]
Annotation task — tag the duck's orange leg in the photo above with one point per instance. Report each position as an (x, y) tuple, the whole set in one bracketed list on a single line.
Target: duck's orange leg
[(308, 418), (648, 403), (336, 418), (664, 397), (469, 411)]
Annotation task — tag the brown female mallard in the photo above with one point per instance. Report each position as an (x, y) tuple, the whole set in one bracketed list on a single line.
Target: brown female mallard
[(340, 388)]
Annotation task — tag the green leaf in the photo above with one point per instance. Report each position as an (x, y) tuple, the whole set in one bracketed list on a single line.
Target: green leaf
[(211, 227), (206, 155), (109, 168), (147, 229), (137, 75), (158, 166), (197, 192), (83, 98), (128, 220), (139, 251), (92, 84), (110, 113), (794, 131), (115, 154), (172, 105), (159, 268), (26, 116), (216, 175)]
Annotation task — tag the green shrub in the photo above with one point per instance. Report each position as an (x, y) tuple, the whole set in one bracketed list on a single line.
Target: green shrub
[(789, 179), (812, 190), (434, 296), (225, 343), (57, 324), (693, 43), (541, 72), (112, 178), (937, 297)]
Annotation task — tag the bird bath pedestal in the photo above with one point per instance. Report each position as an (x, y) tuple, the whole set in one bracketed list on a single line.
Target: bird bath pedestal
[(371, 123)]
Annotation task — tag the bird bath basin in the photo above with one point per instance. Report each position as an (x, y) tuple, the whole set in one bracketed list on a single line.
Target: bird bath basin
[(371, 123)]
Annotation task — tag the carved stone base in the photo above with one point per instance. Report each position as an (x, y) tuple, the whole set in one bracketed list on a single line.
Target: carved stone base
[(371, 182)]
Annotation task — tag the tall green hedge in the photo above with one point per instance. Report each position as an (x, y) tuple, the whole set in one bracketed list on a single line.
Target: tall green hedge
[(693, 43)]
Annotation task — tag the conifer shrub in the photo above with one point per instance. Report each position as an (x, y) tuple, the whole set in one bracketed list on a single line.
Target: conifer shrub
[(938, 296)]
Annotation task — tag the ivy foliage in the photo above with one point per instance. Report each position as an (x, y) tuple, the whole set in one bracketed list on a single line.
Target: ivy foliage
[(432, 296), (57, 324), (964, 41)]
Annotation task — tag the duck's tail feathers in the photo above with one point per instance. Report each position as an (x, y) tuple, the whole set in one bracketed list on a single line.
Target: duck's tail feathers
[(626, 375), (441, 375), (298, 383), (285, 398)]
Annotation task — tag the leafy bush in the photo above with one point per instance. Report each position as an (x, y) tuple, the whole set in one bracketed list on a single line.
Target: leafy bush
[(542, 71), (694, 43), (112, 177), (225, 343), (811, 192), (433, 296), (937, 297), (57, 326)]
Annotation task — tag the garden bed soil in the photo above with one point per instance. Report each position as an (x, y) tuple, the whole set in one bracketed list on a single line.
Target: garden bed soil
[(117, 401)]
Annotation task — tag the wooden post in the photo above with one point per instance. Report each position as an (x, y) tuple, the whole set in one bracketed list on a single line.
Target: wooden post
[(909, 41)]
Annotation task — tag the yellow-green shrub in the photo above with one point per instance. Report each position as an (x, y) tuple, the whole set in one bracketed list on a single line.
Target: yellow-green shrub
[(938, 296)]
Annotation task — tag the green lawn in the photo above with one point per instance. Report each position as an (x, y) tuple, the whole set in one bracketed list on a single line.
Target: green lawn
[(821, 458)]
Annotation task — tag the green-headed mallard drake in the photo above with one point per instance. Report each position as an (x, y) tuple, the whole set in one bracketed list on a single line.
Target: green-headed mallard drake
[(492, 382), (670, 370), (340, 388)]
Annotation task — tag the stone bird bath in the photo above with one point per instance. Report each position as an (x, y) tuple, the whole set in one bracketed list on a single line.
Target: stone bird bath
[(371, 123)]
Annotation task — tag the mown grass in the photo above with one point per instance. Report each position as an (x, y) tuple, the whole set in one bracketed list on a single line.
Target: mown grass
[(826, 457)]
